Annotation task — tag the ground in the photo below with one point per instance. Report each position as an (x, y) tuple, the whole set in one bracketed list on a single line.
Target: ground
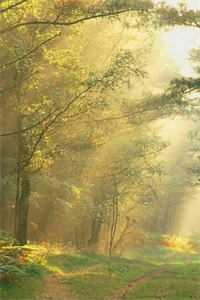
[(147, 274)]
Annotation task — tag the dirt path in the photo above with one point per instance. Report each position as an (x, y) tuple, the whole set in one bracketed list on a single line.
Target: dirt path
[(54, 290), (122, 293)]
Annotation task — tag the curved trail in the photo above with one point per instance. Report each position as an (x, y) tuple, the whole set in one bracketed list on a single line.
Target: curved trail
[(55, 290), (121, 294)]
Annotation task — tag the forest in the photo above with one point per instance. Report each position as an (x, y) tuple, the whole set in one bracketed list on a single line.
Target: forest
[(99, 150)]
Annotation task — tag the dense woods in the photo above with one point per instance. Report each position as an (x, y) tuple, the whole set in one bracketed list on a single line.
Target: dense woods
[(80, 157), (85, 91)]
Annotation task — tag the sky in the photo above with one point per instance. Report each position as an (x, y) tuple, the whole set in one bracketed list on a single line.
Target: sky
[(192, 4), (181, 40)]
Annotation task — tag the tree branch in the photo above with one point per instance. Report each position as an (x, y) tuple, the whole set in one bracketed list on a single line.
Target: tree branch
[(70, 23), (30, 52), (3, 10), (52, 121)]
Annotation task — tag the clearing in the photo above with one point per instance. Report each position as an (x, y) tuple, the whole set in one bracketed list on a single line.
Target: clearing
[(149, 274)]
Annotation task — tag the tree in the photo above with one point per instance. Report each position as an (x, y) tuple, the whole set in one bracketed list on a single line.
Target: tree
[(33, 149), (55, 91)]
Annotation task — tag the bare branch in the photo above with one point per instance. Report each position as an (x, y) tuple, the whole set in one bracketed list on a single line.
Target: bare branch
[(52, 121), (70, 23), (30, 52), (29, 127), (3, 10)]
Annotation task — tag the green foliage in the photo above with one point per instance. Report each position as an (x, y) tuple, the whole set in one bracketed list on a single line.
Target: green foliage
[(135, 5), (171, 16), (72, 105), (19, 262)]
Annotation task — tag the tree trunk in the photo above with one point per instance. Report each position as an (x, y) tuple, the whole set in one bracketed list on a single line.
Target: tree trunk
[(95, 232), (114, 219), (3, 203), (22, 210), (3, 215), (23, 187)]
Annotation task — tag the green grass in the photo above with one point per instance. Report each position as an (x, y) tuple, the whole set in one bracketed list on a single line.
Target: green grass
[(25, 289), (97, 276), (94, 277), (181, 282), (23, 273)]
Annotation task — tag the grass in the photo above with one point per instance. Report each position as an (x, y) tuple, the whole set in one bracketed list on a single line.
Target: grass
[(23, 271), (99, 276), (94, 277), (181, 282), (25, 289)]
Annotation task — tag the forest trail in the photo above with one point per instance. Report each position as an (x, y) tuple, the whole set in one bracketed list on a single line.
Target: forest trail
[(79, 276), (55, 290), (123, 292)]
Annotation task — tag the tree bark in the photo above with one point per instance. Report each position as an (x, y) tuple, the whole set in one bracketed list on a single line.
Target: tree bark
[(114, 219), (22, 210), (95, 232), (23, 186), (3, 203)]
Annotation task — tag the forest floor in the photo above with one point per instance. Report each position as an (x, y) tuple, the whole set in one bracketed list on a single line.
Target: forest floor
[(148, 274)]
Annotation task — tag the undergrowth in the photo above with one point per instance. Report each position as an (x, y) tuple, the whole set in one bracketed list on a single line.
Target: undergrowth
[(23, 271)]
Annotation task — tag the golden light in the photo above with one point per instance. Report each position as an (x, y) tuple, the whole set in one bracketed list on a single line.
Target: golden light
[(178, 244)]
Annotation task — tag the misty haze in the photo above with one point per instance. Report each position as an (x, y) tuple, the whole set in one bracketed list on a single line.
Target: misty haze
[(99, 150)]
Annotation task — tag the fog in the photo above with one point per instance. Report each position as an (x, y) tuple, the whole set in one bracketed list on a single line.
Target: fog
[(99, 149), (96, 142)]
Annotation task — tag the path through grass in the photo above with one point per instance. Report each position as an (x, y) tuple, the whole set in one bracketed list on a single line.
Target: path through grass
[(148, 275)]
